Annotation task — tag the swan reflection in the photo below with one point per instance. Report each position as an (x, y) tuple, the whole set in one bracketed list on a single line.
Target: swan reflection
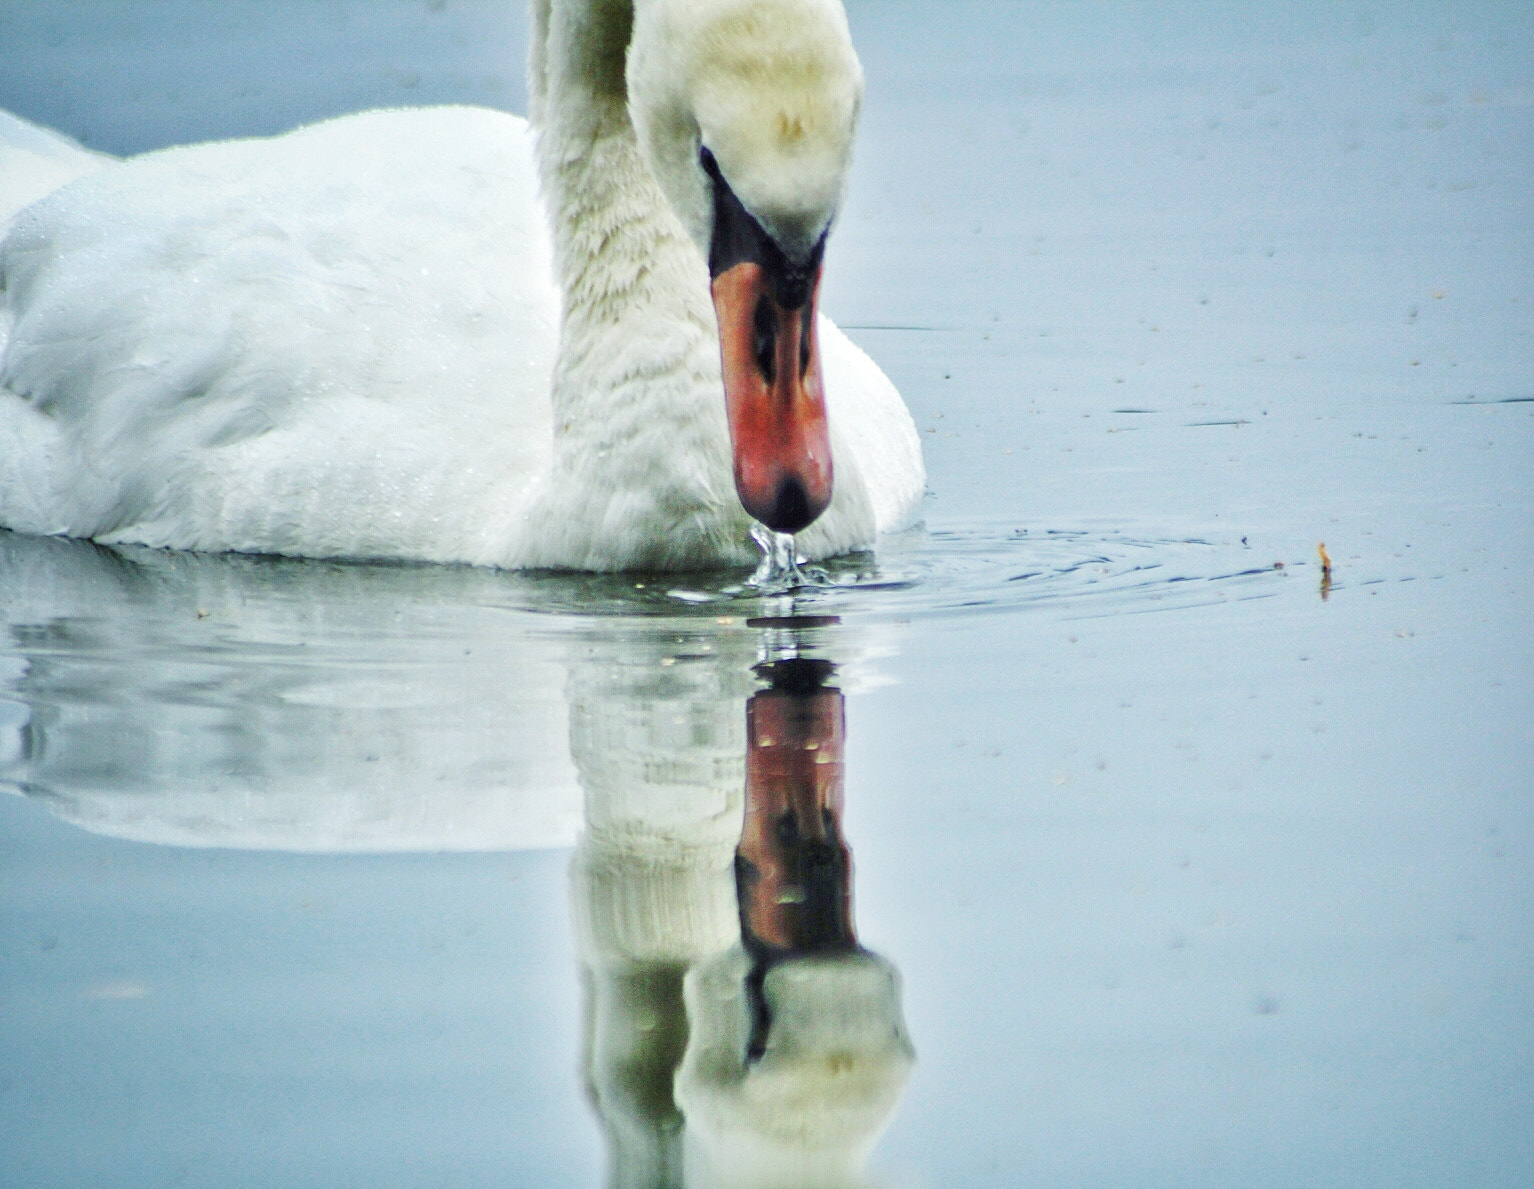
[(737, 1033)]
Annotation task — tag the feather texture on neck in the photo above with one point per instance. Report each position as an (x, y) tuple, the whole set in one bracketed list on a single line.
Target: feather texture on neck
[(638, 429)]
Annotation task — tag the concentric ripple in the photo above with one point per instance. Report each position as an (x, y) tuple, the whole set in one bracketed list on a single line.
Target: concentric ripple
[(946, 570)]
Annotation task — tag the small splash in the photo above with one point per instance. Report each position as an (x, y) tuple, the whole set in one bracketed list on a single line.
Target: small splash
[(778, 572)]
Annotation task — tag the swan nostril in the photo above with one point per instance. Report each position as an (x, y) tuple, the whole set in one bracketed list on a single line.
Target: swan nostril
[(791, 511), (806, 321), (766, 325)]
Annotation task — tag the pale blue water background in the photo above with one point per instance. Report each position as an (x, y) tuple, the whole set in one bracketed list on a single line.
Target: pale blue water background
[(1193, 877)]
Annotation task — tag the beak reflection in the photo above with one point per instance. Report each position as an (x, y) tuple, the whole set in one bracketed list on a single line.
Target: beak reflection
[(793, 870)]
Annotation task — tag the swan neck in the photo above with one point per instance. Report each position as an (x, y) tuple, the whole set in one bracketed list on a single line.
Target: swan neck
[(640, 437), (618, 246)]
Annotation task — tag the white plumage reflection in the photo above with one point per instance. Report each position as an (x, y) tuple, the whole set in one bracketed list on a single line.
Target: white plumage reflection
[(736, 1032)]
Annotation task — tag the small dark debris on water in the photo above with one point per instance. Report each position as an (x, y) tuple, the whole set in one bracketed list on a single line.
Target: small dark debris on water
[(1266, 1005)]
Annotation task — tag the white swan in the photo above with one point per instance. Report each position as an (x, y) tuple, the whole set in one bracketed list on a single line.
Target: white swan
[(348, 341)]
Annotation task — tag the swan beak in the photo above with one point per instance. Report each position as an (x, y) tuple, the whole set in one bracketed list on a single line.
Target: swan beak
[(774, 399)]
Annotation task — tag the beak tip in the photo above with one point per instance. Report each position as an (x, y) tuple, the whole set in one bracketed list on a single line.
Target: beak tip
[(790, 509)]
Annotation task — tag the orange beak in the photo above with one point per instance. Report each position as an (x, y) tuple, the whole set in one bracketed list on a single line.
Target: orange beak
[(774, 399)]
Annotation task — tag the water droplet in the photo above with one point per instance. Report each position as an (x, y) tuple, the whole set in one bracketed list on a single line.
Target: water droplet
[(778, 572)]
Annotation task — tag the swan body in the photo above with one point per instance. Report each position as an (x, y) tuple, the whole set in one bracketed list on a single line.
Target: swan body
[(377, 337)]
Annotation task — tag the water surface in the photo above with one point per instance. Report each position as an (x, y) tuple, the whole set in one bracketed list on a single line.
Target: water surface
[(1187, 863)]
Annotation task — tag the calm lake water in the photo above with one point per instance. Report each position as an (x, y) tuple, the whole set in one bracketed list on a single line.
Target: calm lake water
[(1128, 847)]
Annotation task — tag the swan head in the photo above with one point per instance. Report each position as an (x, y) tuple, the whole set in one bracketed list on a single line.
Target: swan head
[(746, 111)]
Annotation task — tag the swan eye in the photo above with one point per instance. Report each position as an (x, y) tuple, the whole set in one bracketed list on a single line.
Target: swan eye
[(766, 325)]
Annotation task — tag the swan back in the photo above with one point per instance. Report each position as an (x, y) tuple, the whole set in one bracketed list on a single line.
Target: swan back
[(331, 343), (35, 162)]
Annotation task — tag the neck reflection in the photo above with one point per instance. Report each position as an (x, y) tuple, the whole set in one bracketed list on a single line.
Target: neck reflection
[(737, 1034)]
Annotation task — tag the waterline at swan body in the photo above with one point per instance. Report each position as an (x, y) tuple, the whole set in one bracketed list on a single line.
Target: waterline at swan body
[(361, 339)]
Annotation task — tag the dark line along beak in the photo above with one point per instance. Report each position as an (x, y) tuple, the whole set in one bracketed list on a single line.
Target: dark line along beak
[(765, 303)]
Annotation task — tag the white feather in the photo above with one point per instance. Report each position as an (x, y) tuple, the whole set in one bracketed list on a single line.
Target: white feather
[(349, 340)]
